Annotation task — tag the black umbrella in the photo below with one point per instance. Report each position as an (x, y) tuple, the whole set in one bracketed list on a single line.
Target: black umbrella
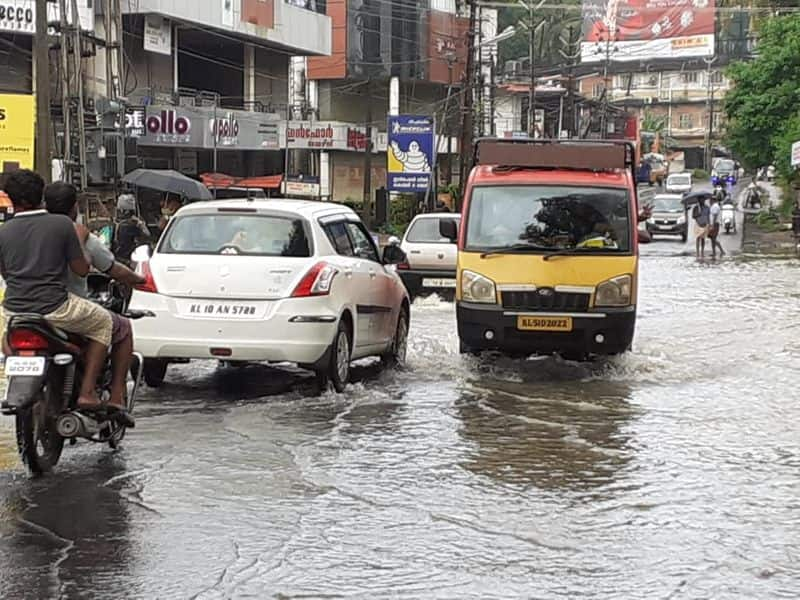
[(168, 181)]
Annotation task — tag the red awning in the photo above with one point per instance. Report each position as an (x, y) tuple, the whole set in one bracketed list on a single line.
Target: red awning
[(221, 180), (265, 182)]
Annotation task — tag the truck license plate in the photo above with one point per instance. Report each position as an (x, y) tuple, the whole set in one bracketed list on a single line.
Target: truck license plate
[(544, 323), (23, 366)]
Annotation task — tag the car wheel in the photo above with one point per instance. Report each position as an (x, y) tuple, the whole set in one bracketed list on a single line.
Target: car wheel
[(684, 237), (155, 369), (465, 349), (338, 372), (396, 355)]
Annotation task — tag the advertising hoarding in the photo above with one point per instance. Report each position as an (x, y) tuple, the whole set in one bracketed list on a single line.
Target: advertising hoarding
[(16, 131), (19, 16), (411, 157), (796, 154), (637, 30)]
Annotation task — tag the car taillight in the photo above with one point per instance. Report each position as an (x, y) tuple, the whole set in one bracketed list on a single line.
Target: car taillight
[(149, 284), (25, 339), (404, 266), (317, 282)]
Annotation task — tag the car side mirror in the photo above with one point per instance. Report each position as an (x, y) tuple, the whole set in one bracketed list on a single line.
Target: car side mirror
[(141, 254), (448, 229), (393, 254)]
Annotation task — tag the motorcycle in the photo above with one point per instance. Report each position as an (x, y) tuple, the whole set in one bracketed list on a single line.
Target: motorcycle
[(45, 370), (729, 217)]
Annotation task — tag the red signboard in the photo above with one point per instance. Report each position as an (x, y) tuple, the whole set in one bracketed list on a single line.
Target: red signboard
[(646, 29)]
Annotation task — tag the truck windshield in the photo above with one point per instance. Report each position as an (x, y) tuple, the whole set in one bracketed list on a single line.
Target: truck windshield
[(549, 218)]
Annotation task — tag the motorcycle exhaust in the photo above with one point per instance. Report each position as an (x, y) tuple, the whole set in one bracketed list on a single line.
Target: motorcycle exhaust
[(75, 424)]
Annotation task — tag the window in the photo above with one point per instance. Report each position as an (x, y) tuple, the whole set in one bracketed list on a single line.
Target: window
[(337, 234), (717, 77), (685, 121), (597, 90), (237, 235), (426, 231), (363, 246), (689, 77), (717, 121)]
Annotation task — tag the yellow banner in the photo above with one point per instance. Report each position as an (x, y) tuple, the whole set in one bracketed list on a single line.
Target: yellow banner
[(16, 131)]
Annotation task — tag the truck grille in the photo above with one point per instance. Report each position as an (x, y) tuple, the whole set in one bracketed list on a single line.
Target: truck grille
[(553, 301)]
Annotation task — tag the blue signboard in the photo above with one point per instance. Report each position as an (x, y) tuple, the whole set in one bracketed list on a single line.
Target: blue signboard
[(410, 153)]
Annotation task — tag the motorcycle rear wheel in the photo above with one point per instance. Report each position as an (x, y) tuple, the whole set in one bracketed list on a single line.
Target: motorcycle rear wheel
[(38, 441)]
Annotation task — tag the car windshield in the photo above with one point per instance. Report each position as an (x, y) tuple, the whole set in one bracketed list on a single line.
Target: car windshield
[(426, 230), (237, 234), (667, 204), (725, 165), (549, 218), (679, 179)]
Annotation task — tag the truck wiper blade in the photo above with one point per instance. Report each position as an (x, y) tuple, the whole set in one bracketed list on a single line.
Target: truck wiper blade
[(516, 248), (569, 251)]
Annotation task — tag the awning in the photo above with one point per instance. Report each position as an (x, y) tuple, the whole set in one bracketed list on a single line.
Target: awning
[(221, 180)]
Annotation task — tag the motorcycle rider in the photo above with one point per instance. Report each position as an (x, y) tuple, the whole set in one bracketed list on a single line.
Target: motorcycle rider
[(62, 199), (37, 252), (130, 230)]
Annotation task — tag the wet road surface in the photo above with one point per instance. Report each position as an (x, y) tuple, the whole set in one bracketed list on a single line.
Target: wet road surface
[(672, 472)]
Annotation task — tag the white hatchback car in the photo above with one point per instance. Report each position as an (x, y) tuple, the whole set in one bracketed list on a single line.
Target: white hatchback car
[(432, 258), (269, 280)]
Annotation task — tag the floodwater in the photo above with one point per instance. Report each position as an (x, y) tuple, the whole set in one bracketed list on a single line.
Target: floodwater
[(672, 472)]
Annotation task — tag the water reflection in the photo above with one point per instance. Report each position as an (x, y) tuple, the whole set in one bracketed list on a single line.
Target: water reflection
[(68, 532), (571, 436)]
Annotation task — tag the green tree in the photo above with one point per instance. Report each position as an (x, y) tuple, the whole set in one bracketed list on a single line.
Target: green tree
[(557, 30), (658, 125), (763, 106)]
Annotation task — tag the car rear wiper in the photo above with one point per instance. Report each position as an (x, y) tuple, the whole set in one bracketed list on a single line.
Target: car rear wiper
[(516, 248)]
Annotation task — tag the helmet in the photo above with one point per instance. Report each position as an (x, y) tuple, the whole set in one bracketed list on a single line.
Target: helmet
[(126, 203)]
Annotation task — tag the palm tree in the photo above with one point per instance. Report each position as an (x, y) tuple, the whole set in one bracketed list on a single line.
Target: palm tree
[(658, 128)]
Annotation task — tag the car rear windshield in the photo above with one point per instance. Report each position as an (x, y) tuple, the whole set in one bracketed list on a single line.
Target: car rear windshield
[(679, 179), (546, 218), (426, 231), (237, 234)]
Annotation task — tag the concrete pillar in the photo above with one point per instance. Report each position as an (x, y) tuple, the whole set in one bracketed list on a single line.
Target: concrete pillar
[(249, 76)]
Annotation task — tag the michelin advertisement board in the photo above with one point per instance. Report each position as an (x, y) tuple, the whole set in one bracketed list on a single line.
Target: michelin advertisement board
[(410, 153)]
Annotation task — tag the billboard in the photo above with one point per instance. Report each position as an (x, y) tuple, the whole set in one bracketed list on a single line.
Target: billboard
[(17, 118), (637, 30), (410, 153)]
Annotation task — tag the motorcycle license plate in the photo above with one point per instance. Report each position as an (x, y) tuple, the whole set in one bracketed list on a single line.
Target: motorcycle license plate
[(23, 366)]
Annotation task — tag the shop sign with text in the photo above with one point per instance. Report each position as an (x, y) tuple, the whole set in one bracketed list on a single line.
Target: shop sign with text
[(16, 131)]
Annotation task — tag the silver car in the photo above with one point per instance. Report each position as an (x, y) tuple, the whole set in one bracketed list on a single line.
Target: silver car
[(432, 258)]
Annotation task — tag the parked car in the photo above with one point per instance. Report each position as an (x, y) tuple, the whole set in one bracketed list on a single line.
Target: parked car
[(270, 280), (431, 258), (668, 216), (679, 183)]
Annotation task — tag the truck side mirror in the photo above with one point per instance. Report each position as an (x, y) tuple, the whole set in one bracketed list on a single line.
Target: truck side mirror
[(448, 229)]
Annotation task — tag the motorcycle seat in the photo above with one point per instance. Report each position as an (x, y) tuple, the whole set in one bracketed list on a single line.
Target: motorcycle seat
[(37, 322)]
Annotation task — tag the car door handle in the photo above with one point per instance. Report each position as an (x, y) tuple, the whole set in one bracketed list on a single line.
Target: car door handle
[(372, 274), (348, 273)]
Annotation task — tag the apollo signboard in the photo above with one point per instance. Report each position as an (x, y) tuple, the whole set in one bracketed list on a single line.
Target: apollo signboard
[(19, 16)]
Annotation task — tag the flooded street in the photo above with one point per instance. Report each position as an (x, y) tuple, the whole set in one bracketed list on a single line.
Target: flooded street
[(672, 472)]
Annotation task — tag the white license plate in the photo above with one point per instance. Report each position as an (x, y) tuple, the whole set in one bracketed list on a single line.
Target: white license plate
[(221, 310), (439, 283), (23, 366)]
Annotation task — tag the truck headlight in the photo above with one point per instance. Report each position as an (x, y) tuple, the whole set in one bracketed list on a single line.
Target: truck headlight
[(614, 292), (681, 220), (651, 221), (477, 288)]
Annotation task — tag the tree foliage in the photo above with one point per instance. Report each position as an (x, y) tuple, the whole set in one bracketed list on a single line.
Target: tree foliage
[(557, 30), (763, 106)]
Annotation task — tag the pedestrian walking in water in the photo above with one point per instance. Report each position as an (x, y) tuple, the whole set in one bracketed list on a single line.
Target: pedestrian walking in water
[(713, 227), (701, 214)]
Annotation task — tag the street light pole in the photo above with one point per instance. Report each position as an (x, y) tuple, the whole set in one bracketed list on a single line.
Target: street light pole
[(532, 59), (710, 110), (41, 64)]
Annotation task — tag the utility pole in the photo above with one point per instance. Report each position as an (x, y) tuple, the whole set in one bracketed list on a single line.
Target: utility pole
[(41, 64), (710, 110), (606, 89), (532, 59), (367, 199), (467, 127)]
